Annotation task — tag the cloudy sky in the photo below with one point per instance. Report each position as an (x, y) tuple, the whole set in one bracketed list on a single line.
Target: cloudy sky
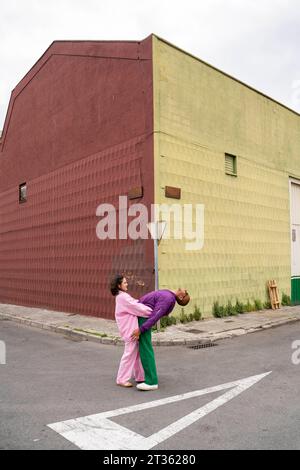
[(256, 41)]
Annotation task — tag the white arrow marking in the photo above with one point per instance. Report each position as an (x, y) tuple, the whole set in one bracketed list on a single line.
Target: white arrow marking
[(98, 432)]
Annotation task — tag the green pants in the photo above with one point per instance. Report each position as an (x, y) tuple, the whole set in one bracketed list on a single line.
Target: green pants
[(147, 355)]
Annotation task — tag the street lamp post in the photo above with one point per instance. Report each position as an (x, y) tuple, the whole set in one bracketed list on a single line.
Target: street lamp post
[(157, 230)]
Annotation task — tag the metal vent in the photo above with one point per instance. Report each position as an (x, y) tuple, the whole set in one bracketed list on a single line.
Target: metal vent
[(202, 346), (230, 164)]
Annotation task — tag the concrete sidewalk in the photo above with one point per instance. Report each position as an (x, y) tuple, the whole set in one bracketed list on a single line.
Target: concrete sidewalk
[(106, 331)]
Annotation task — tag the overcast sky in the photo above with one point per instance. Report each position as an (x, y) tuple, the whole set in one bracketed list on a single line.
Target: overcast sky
[(256, 41)]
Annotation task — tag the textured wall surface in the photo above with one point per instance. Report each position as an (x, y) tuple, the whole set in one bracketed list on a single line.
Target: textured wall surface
[(200, 114), (79, 132)]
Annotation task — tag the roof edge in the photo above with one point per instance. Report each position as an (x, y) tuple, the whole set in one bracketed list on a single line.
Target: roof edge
[(41, 60), (60, 41), (227, 75)]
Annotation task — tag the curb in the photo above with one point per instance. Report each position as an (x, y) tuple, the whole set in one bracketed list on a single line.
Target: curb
[(117, 341), (62, 330)]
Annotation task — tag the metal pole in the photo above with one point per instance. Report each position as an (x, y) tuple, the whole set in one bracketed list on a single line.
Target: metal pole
[(156, 262), (156, 266), (156, 235)]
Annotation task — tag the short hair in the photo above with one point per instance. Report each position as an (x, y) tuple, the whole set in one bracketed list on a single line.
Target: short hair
[(114, 284), (184, 301)]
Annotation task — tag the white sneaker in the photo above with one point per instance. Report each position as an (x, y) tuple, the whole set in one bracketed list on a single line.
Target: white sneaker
[(144, 386)]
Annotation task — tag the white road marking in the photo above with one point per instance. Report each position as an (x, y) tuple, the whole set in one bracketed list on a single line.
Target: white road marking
[(98, 432)]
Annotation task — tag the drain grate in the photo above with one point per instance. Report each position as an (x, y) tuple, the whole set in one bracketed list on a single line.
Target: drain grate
[(202, 346)]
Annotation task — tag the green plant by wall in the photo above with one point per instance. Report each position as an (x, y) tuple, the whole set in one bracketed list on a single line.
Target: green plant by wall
[(249, 307), (197, 313), (191, 317), (239, 307), (258, 304), (218, 310), (183, 317), (285, 300), (267, 305), (169, 320), (229, 309)]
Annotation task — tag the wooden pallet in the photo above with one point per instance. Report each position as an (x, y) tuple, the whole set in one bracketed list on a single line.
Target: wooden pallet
[(273, 292)]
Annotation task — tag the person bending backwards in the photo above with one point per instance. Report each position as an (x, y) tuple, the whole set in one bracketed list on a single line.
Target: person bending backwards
[(162, 303)]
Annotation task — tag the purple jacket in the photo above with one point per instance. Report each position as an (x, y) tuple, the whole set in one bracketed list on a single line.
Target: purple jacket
[(161, 302)]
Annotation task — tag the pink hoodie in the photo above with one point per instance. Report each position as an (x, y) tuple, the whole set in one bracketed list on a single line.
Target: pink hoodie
[(126, 313)]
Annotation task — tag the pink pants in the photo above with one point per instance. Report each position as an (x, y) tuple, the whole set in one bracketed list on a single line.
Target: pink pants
[(130, 365)]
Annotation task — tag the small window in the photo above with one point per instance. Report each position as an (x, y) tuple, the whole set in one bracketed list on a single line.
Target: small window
[(23, 192), (230, 164)]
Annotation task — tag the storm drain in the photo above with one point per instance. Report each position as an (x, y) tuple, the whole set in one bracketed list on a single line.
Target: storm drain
[(202, 345)]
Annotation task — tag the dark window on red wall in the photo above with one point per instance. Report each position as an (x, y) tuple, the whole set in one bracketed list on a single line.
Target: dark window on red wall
[(22, 192)]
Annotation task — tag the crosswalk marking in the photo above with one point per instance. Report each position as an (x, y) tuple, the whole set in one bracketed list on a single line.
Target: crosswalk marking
[(98, 432)]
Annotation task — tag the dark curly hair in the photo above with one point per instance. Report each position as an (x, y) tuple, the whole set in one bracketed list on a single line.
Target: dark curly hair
[(115, 282)]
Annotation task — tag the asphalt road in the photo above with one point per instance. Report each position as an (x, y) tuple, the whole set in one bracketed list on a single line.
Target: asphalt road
[(48, 379)]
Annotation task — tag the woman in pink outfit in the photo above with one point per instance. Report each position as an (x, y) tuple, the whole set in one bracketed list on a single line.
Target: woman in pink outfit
[(127, 312)]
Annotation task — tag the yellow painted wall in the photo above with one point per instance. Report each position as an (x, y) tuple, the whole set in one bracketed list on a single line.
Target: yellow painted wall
[(199, 114)]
